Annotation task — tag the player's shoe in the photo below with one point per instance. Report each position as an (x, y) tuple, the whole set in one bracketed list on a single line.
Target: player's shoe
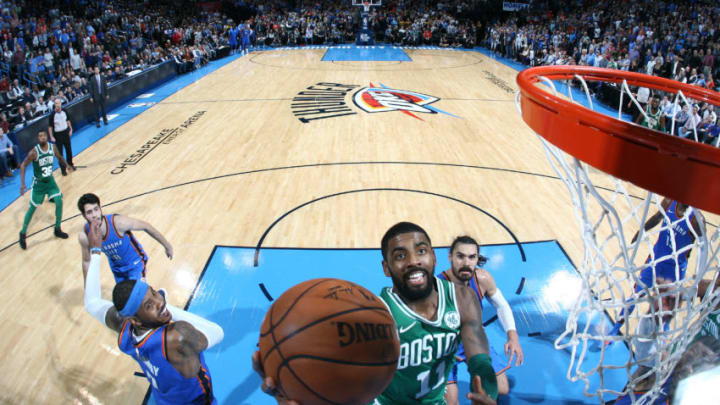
[(60, 234)]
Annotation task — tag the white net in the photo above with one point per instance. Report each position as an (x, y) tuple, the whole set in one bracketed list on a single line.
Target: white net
[(647, 264)]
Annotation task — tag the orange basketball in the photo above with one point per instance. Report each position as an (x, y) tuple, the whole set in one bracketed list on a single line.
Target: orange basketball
[(329, 341)]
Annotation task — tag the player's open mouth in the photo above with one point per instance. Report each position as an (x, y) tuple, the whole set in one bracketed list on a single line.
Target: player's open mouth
[(416, 278)]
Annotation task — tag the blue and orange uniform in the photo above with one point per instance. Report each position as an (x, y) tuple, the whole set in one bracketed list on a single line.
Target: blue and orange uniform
[(683, 236), (663, 247), (245, 37), (126, 255), (168, 386), (497, 365), (232, 37)]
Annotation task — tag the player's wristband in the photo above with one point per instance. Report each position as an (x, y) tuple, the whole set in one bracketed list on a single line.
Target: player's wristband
[(96, 250), (481, 366)]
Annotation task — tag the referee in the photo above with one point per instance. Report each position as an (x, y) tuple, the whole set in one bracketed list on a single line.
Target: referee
[(60, 130)]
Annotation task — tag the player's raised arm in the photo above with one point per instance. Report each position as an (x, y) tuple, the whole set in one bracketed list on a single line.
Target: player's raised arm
[(85, 251), (475, 341), (504, 313), (100, 309), (125, 224)]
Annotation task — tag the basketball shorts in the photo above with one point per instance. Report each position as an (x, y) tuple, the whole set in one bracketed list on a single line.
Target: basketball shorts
[(499, 364), (135, 271), (42, 188), (664, 269)]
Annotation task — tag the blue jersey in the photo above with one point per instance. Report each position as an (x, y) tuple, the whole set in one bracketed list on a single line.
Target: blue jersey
[(664, 246), (169, 387), (126, 255), (245, 34), (233, 36)]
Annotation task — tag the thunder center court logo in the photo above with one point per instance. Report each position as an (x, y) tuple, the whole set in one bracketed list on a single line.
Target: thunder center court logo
[(328, 100), (375, 99)]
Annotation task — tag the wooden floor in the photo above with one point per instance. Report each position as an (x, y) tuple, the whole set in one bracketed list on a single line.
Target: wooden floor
[(246, 161)]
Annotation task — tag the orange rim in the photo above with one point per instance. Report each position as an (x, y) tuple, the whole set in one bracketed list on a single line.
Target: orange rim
[(670, 166)]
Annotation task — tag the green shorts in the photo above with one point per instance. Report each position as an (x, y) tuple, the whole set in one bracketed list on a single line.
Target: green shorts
[(42, 188)]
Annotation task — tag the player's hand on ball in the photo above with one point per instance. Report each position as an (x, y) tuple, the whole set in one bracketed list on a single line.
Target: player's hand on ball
[(268, 385), (478, 396)]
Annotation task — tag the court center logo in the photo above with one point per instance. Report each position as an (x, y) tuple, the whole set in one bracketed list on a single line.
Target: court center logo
[(328, 100), (375, 99)]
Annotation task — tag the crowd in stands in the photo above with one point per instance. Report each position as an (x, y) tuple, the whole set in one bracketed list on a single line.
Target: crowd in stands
[(331, 22), (678, 40), (48, 47)]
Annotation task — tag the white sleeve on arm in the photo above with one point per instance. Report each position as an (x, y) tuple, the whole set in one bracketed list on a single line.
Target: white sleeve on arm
[(212, 331), (503, 310), (94, 304), (645, 347)]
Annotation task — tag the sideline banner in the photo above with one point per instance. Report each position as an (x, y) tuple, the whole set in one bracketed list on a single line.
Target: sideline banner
[(513, 6)]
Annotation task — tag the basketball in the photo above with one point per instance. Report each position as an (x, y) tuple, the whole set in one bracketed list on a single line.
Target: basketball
[(329, 341)]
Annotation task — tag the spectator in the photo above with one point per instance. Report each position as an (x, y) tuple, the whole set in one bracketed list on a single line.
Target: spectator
[(712, 135), (50, 104), (16, 91), (4, 123), (36, 92), (29, 111), (18, 62), (9, 154), (76, 62), (98, 95), (703, 128), (21, 119), (62, 98), (48, 59), (688, 129), (708, 110), (27, 96), (669, 110), (41, 107)]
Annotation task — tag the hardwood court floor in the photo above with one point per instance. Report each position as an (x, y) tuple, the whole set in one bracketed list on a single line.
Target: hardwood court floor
[(241, 162)]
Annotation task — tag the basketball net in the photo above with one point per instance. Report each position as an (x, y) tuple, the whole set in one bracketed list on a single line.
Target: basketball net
[(366, 6), (609, 212)]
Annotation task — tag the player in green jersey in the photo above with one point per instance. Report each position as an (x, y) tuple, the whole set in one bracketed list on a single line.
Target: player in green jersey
[(432, 315), (42, 157), (711, 325), (655, 118)]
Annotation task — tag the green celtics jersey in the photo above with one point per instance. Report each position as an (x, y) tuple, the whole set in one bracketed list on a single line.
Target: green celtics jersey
[(711, 326), (43, 165), (427, 349), (653, 120)]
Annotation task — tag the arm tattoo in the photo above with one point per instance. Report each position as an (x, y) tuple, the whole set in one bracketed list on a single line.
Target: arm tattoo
[(191, 341)]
